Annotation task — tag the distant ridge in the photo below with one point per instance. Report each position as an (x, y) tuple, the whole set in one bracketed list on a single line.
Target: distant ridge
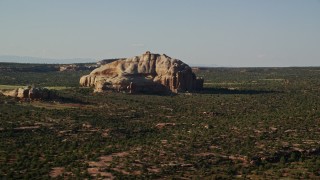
[(40, 60), (29, 59), (204, 65)]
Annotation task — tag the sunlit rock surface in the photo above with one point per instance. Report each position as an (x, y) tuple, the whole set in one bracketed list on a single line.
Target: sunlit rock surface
[(150, 73)]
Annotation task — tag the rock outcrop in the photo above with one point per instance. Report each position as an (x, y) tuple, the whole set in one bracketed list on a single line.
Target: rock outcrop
[(150, 73), (31, 93)]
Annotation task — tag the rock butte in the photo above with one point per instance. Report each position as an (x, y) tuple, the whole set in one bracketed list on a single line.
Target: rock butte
[(148, 73)]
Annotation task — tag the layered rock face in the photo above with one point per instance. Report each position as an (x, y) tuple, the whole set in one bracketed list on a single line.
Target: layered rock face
[(151, 73), (30, 93)]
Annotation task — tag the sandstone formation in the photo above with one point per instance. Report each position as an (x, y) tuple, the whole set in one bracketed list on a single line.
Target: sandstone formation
[(30, 93), (151, 73)]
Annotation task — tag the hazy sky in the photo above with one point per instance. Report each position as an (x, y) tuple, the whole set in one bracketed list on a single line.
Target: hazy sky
[(222, 32)]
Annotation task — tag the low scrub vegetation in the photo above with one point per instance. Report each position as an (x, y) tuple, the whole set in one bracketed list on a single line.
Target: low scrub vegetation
[(246, 123)]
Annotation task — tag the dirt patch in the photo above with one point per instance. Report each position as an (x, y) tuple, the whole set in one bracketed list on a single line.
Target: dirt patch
[(105, 133), (120, 154), (97, 167), (72, 105), (100, 163), (164, 141), (27, 128), (163, 125), (56, 105), (57, 171), (206, 154), (244, 159), (154, 169), (96, 171)]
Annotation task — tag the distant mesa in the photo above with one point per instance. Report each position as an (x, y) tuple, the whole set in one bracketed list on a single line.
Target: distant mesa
[(30, 93), (107, 61), (76, 67), (147, 73), (9, 67)]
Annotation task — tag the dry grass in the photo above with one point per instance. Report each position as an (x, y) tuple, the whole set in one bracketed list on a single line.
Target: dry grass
[(10, 87), (55, 105)]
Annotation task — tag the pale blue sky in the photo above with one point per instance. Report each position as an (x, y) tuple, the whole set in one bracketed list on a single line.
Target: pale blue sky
[(222, 32)]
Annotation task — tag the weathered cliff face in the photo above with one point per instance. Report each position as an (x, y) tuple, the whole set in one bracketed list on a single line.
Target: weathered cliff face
[(152, 73), (30, 93)]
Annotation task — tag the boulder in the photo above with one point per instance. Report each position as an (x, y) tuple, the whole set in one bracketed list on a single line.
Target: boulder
[(12, 93), (151, 73), (23, 92)]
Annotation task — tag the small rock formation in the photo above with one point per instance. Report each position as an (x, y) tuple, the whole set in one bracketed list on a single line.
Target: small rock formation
[(32, 93), (150, 73)]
